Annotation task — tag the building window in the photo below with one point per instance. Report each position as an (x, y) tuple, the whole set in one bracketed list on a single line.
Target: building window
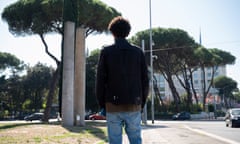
[(195, 76), (209, 74), (208, 82), (162, 88), (195, 81), (161, 78)]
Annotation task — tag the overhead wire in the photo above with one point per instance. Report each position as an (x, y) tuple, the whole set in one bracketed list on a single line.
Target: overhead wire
[(165, 49), (182, 47)]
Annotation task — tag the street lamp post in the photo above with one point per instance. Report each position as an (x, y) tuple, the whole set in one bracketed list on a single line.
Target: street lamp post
[(151, 60), (144, 116)]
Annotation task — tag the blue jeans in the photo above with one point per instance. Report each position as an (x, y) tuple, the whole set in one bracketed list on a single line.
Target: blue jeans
[(131, 121)]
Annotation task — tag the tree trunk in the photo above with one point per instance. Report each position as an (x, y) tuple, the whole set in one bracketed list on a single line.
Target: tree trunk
[(174, 93), (186, 85), (157, 93), (192, 86), (53, 85), (189, 99)]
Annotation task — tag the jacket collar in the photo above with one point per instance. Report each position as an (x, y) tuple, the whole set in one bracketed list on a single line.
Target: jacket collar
[(122, 42)]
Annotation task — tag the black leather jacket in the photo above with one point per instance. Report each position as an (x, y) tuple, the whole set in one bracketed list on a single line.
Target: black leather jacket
[(122, 75)]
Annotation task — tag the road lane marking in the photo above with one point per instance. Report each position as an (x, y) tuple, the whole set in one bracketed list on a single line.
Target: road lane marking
[(212, 135)]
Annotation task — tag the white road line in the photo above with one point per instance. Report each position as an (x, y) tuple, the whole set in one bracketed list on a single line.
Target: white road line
[(212, 135)]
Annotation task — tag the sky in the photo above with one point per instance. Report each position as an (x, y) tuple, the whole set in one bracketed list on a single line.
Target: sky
[(218, 21)]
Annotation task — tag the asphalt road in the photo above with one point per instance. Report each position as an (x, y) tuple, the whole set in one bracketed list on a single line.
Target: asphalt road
[(193, 132), (217, 129)]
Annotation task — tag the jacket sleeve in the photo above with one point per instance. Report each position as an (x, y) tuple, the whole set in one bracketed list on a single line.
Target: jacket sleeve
[(101, 80), (145, 81)]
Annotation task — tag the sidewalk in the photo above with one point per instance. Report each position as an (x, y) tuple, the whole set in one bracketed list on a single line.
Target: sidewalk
[(150, 135), (168, 134)]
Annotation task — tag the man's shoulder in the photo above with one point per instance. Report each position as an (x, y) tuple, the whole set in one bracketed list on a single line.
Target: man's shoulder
[(107, 47), (136, 47), (127, 47)]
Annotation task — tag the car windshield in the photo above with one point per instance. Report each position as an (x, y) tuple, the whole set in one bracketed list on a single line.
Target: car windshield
[(236, 112)]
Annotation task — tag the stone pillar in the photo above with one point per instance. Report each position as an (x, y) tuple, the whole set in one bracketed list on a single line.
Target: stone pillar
[(68, 74), (79, 81)]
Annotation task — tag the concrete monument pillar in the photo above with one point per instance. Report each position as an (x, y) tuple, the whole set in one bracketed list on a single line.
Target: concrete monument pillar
[(68, 74), (79, 80)]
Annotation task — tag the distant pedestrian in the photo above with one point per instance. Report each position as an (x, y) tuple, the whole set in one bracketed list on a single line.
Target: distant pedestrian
[(122, 84)]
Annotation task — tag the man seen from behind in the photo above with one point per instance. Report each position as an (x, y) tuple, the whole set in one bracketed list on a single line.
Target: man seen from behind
[(122, 84)]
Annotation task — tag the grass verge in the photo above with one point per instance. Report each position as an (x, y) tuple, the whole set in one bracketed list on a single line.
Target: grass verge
[(54, 133)]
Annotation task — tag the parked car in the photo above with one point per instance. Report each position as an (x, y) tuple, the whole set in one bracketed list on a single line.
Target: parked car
[(34, 116), (97, 116), (87, 116), (182, 116), (232, 117)]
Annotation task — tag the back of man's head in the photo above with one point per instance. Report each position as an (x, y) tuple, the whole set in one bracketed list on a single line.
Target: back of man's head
[(119, 27)]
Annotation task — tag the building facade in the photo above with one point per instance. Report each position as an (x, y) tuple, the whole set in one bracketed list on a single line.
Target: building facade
[(198, 80)]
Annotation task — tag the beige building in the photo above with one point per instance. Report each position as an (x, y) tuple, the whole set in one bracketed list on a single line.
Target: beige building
[(165, 91)]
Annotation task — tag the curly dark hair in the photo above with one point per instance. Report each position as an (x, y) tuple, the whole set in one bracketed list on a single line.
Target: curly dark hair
[(119, 27)]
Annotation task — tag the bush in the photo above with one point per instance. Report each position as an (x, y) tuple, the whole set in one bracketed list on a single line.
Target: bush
[(219, 113), (163, 115), (210, 108), (4, 114)]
